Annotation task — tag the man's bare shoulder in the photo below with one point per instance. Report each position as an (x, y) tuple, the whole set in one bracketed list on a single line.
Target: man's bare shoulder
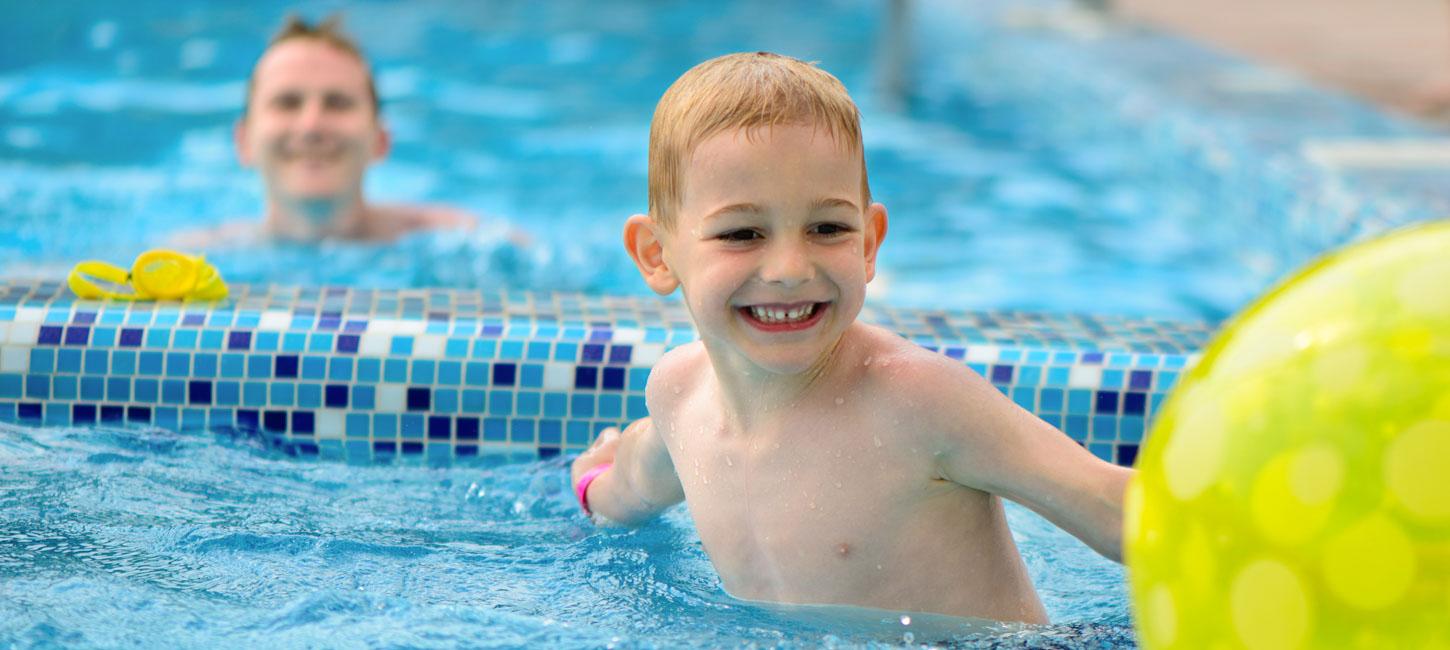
[(390, 221), (224, 235)]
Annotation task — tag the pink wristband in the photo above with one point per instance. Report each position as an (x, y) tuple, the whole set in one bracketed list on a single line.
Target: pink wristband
[(582, 489)]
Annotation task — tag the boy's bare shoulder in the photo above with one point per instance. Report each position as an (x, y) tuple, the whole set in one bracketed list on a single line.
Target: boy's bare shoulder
[(926, 389), (675, 374)]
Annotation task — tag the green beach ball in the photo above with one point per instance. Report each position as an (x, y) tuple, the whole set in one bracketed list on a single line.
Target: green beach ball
[(1295, 489)]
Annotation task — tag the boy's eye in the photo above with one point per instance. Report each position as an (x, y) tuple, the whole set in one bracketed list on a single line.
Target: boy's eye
[(830, 229), (739, 235)]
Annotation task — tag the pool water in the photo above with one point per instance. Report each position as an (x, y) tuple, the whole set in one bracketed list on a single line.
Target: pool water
[(122, 537), (117, 134)]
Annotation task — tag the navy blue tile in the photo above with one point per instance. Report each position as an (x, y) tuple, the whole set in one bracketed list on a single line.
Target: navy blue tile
[(307, 448), (412, 448), (239, 340), (348, 343), (465, 450), (1001, 374), (304, 422), (275, 421), (592, 353), (386, 448), (84, 317), (1107, 402), (50, 335), (193, 320), (613, 379), (77, 335), (419, 398), (83, 414), (112, 414), (139, 414), (1127, 455), (601, 335), (438, 427), (467, 428), (28, 412), (548, 452), (1092, 358), (504, 374), (130, 337), (355, 326), (199, 392), (329, 323), (1140, 379), (620, 354), (1134, 403), (492, 331), (285, 367), (335, 396), (586, 377), (248, 420)]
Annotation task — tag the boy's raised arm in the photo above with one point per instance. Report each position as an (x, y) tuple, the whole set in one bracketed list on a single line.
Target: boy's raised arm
[(641, 480), (992, 444)]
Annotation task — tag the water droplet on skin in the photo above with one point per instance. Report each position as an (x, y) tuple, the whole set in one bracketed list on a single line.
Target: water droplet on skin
[(885, 363), (811, 505), (676, 390), (867, 362), (838, 485), (906, 620), (878, 567), (877, 440), (728, 462), (840, 401)]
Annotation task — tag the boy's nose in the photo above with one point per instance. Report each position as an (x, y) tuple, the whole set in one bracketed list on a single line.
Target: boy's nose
[(787, 264)]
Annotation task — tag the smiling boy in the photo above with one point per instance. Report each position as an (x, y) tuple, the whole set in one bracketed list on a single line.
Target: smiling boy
[(823, 460)]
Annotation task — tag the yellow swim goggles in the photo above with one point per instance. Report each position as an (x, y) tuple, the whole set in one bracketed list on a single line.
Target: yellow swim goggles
[(156, 275)]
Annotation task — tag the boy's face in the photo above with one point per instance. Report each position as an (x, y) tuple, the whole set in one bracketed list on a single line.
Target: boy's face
[(310, 127), (772, 243)]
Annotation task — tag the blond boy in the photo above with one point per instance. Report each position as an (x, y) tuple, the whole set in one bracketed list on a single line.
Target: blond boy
[(823, 460)]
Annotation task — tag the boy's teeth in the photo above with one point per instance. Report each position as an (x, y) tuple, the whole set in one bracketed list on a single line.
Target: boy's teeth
[(769, 315)]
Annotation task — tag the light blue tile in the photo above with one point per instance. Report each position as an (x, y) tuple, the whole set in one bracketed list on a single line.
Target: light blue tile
[(254, 394), (282, 394), (294, 341), (339, 369), (445, 400), (369, 370), (266, 341), (211, 340)]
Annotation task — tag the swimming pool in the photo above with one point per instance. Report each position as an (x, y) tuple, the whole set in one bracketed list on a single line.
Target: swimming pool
[(1031, 174)]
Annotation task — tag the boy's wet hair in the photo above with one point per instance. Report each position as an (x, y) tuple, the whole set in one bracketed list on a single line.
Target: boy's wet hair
[(745, 91), (329, 31)]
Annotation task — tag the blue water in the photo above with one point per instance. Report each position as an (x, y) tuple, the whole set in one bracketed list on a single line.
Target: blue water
[(115, 133), (115, 127), (132, 537)]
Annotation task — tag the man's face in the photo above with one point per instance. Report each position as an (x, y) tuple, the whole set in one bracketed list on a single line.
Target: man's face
[(310, 128), (773, 245)]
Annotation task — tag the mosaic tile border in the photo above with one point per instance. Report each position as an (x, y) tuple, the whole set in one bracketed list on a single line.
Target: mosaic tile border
[(438, 375)]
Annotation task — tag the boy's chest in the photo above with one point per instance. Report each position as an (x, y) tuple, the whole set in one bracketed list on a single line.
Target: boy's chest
[(818, 510)]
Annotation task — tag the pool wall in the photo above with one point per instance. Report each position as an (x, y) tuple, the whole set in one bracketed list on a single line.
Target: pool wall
[(433, 375)]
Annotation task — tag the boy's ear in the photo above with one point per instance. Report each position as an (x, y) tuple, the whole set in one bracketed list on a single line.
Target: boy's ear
[(239, 141), (642, 238), (875, 232)]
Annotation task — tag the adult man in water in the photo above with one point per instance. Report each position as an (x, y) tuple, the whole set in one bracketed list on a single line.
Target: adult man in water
[(311, 127)]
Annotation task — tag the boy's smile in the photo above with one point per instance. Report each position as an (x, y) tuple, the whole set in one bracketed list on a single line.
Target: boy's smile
[(773, 244)]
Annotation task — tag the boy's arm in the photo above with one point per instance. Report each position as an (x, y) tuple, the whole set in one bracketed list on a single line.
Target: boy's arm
[(992, 444), (642, 481)]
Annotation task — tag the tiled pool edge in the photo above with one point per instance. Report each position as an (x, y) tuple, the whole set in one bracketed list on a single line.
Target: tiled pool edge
[(437, 375)]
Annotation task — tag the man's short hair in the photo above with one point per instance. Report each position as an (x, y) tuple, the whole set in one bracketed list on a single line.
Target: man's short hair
[(746, 91), (328, 30)]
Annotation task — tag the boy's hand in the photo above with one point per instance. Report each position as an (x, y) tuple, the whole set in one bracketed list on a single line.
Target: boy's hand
[(602, 451)]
